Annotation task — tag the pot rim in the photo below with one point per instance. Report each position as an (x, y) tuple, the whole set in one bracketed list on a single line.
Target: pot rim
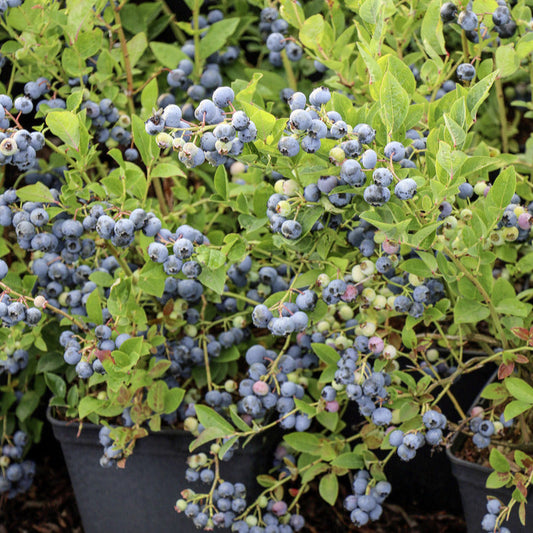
[(89, 425)]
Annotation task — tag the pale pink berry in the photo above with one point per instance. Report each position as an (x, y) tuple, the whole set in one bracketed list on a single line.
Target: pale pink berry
[(524, 220), (350, 294), (261, 388), (376, 344), (332, 407), (390, 247)]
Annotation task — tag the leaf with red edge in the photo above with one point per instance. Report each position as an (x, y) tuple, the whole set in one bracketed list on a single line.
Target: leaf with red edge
[(521, 487), (104, 355), (521, 333), (520, 358), (505, 371)]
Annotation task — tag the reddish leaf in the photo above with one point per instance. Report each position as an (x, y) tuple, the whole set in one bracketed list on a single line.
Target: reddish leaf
[(521, 333), (520, 486), (521, 358), (505, 371), (104, 355)]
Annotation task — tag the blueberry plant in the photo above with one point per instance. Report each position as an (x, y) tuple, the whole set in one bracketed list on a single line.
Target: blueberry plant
[(240, 219)]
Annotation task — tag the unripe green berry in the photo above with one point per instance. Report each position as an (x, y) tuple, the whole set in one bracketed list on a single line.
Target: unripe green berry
[(479, 187), (291, 187), (323, 280), (164, 140), (337, 155), (346, 313), (8, 147), (510, 234)]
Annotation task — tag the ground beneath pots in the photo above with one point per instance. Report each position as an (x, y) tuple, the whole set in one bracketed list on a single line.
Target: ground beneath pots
[(50, 507)]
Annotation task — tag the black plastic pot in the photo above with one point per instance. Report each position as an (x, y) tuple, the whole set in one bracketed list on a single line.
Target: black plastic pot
[(140, 498), (471, 479), (434, 488)]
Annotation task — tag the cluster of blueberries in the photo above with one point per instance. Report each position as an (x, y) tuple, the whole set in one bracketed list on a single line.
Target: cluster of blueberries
[(469, 22), (484, 429), (274, 31), (18, 146), (183, 242), (490, 519), (222, 134), (364, 505), (407, 444), (15, 362), (229, 500), (211, 78), (16, 476)]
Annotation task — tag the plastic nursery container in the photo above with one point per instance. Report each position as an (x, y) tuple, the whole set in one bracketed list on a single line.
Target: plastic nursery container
[(140, 498), (434, 488), (471, 479)]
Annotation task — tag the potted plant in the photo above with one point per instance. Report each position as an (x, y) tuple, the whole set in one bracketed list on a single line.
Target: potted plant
[(228, 260)]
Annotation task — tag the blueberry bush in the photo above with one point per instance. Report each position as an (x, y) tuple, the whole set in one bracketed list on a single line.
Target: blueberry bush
[(240, 217)]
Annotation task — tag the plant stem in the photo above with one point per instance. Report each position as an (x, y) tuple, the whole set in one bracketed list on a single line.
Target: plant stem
[(483, 292), (502, 112), (126, 57), (291, 78), (121, 261)]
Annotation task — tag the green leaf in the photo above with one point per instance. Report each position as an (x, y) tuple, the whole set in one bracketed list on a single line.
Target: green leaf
[(88, 405), (292, 12), (37, 192), (145, 143), (326, 353), (168, 55), (214, 279), (303, 442), (457, 133), (94, 307), (173, 399), (217, 35), (65, 125), (136, 48), (329, 488), (312, 31), (507, 61), (497, 480), (495, 391), (167, 170), (519, 389), (56, 384), (221, 182), (207, 435), (431, 31), (503, 189), (152, 279), (515, 408), (27, 405), (211, 419), (479, 92), (210, 257), (513, 306), (156, 396), (148, 97), (469, 311), (416, 267), (394, 102), (498, 461), (350, 460)]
